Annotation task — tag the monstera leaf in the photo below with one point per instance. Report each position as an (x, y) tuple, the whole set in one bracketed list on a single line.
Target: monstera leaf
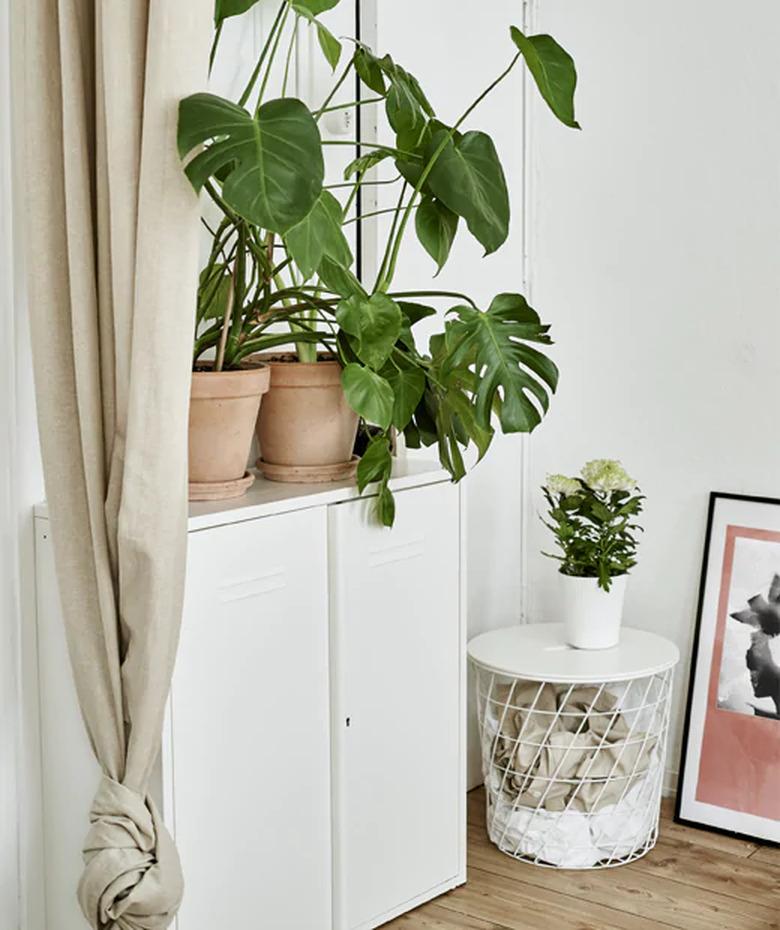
[(271, 164), (552, 67), (469, 180), (512, 376)]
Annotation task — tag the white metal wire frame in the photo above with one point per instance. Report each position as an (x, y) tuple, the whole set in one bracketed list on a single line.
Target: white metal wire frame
[(573, 773)]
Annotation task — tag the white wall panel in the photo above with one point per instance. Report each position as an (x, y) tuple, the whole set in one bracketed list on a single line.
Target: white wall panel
[(655, 258)]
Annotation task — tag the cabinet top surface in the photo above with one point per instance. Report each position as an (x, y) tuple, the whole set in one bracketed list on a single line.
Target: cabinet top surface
[(266, 498), (539, 652)]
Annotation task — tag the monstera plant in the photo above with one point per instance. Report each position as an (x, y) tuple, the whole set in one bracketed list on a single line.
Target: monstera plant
[(281, 270)]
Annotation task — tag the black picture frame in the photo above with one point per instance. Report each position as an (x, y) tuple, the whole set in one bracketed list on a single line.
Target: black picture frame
[(714, 497)]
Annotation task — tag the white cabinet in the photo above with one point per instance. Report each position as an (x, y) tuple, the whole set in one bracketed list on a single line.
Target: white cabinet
[(396, 648), (312, 763), (249, 735)]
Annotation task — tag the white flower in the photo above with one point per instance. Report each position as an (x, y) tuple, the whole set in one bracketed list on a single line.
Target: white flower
[(560, 484), (607, 475)]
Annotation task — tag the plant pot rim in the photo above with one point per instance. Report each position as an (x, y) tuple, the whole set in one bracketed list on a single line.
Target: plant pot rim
[(276, 359), (247, 381), (293, 374)]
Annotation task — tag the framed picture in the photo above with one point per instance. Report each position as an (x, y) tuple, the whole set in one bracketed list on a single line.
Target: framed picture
[(730, 773)]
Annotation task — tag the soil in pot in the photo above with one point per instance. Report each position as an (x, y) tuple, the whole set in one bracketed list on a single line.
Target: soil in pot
[(223, 412), (306, 429)]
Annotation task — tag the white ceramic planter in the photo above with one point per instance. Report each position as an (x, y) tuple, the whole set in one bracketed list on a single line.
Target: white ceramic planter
[(591, 615)]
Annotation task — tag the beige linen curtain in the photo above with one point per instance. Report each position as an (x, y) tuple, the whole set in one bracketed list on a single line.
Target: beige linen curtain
[(112, 266)]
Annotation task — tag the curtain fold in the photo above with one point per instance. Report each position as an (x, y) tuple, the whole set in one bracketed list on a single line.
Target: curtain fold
[(112, 258)]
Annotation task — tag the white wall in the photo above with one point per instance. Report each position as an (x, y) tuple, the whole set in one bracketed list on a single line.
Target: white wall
[(655, 256), (21, 485), (456, 57)]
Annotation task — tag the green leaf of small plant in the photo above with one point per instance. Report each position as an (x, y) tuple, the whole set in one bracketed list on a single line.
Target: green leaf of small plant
[(552, 67), (436, 227), (368, 394)]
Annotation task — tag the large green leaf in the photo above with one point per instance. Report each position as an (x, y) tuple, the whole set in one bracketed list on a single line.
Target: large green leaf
[(511, 375), (271, 164), (375, 325), (225, 8), (408, 385), (436, 226), (469, 180), (319, 234), (368, 394), (552, 67)]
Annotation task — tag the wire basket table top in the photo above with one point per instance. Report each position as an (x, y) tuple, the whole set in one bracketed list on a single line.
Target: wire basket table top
[(539, 652)]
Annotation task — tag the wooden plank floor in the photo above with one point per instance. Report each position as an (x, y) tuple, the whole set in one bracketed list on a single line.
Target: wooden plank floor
[(692, 880)]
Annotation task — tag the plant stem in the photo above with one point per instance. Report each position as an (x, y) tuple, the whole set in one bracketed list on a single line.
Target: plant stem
[(214, 44), (220, 361), (453, 294), (272, 56), (290, 50), (386, 257), (336, 88), (364, 216), (352, 103), (386, 278), (258, 67)]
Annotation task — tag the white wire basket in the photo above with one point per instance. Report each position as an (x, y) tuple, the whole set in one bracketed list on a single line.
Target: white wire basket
[(573, 771)]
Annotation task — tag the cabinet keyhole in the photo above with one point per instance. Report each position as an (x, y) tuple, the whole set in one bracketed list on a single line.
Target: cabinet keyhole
[(349, 720)]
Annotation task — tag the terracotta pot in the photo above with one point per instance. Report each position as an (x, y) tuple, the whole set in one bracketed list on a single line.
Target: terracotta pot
[(223, 412), (306, 429)]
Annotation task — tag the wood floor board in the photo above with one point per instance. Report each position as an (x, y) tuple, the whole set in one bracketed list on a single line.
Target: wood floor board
[(692, 880)]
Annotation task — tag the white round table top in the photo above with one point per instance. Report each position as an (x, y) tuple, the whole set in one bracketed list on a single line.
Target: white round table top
[(539, 652)]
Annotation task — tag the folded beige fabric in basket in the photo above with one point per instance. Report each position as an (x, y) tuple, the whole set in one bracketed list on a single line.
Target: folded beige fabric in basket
[(560, 748)]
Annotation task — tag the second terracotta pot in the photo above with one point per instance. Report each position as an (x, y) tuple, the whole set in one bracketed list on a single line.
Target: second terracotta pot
[(306, 429)]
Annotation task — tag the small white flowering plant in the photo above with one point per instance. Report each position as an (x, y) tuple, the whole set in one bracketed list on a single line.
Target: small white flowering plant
[(592, 519)]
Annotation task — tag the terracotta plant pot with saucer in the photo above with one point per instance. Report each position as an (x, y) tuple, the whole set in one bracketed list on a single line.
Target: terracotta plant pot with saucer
[(223, 413), (306, 429)]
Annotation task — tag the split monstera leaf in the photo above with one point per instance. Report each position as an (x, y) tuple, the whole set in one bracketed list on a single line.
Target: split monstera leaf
[(281, 270)]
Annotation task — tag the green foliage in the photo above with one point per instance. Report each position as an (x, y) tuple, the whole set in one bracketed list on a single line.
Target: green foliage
[(553, 70), (270, 165), (595, 531), (280, 269)]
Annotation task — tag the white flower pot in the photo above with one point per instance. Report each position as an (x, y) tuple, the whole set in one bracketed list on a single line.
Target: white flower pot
[(591, 615)]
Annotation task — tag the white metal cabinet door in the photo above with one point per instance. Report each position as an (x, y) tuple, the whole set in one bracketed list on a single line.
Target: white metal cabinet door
[(397, 674), (250, 740)]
